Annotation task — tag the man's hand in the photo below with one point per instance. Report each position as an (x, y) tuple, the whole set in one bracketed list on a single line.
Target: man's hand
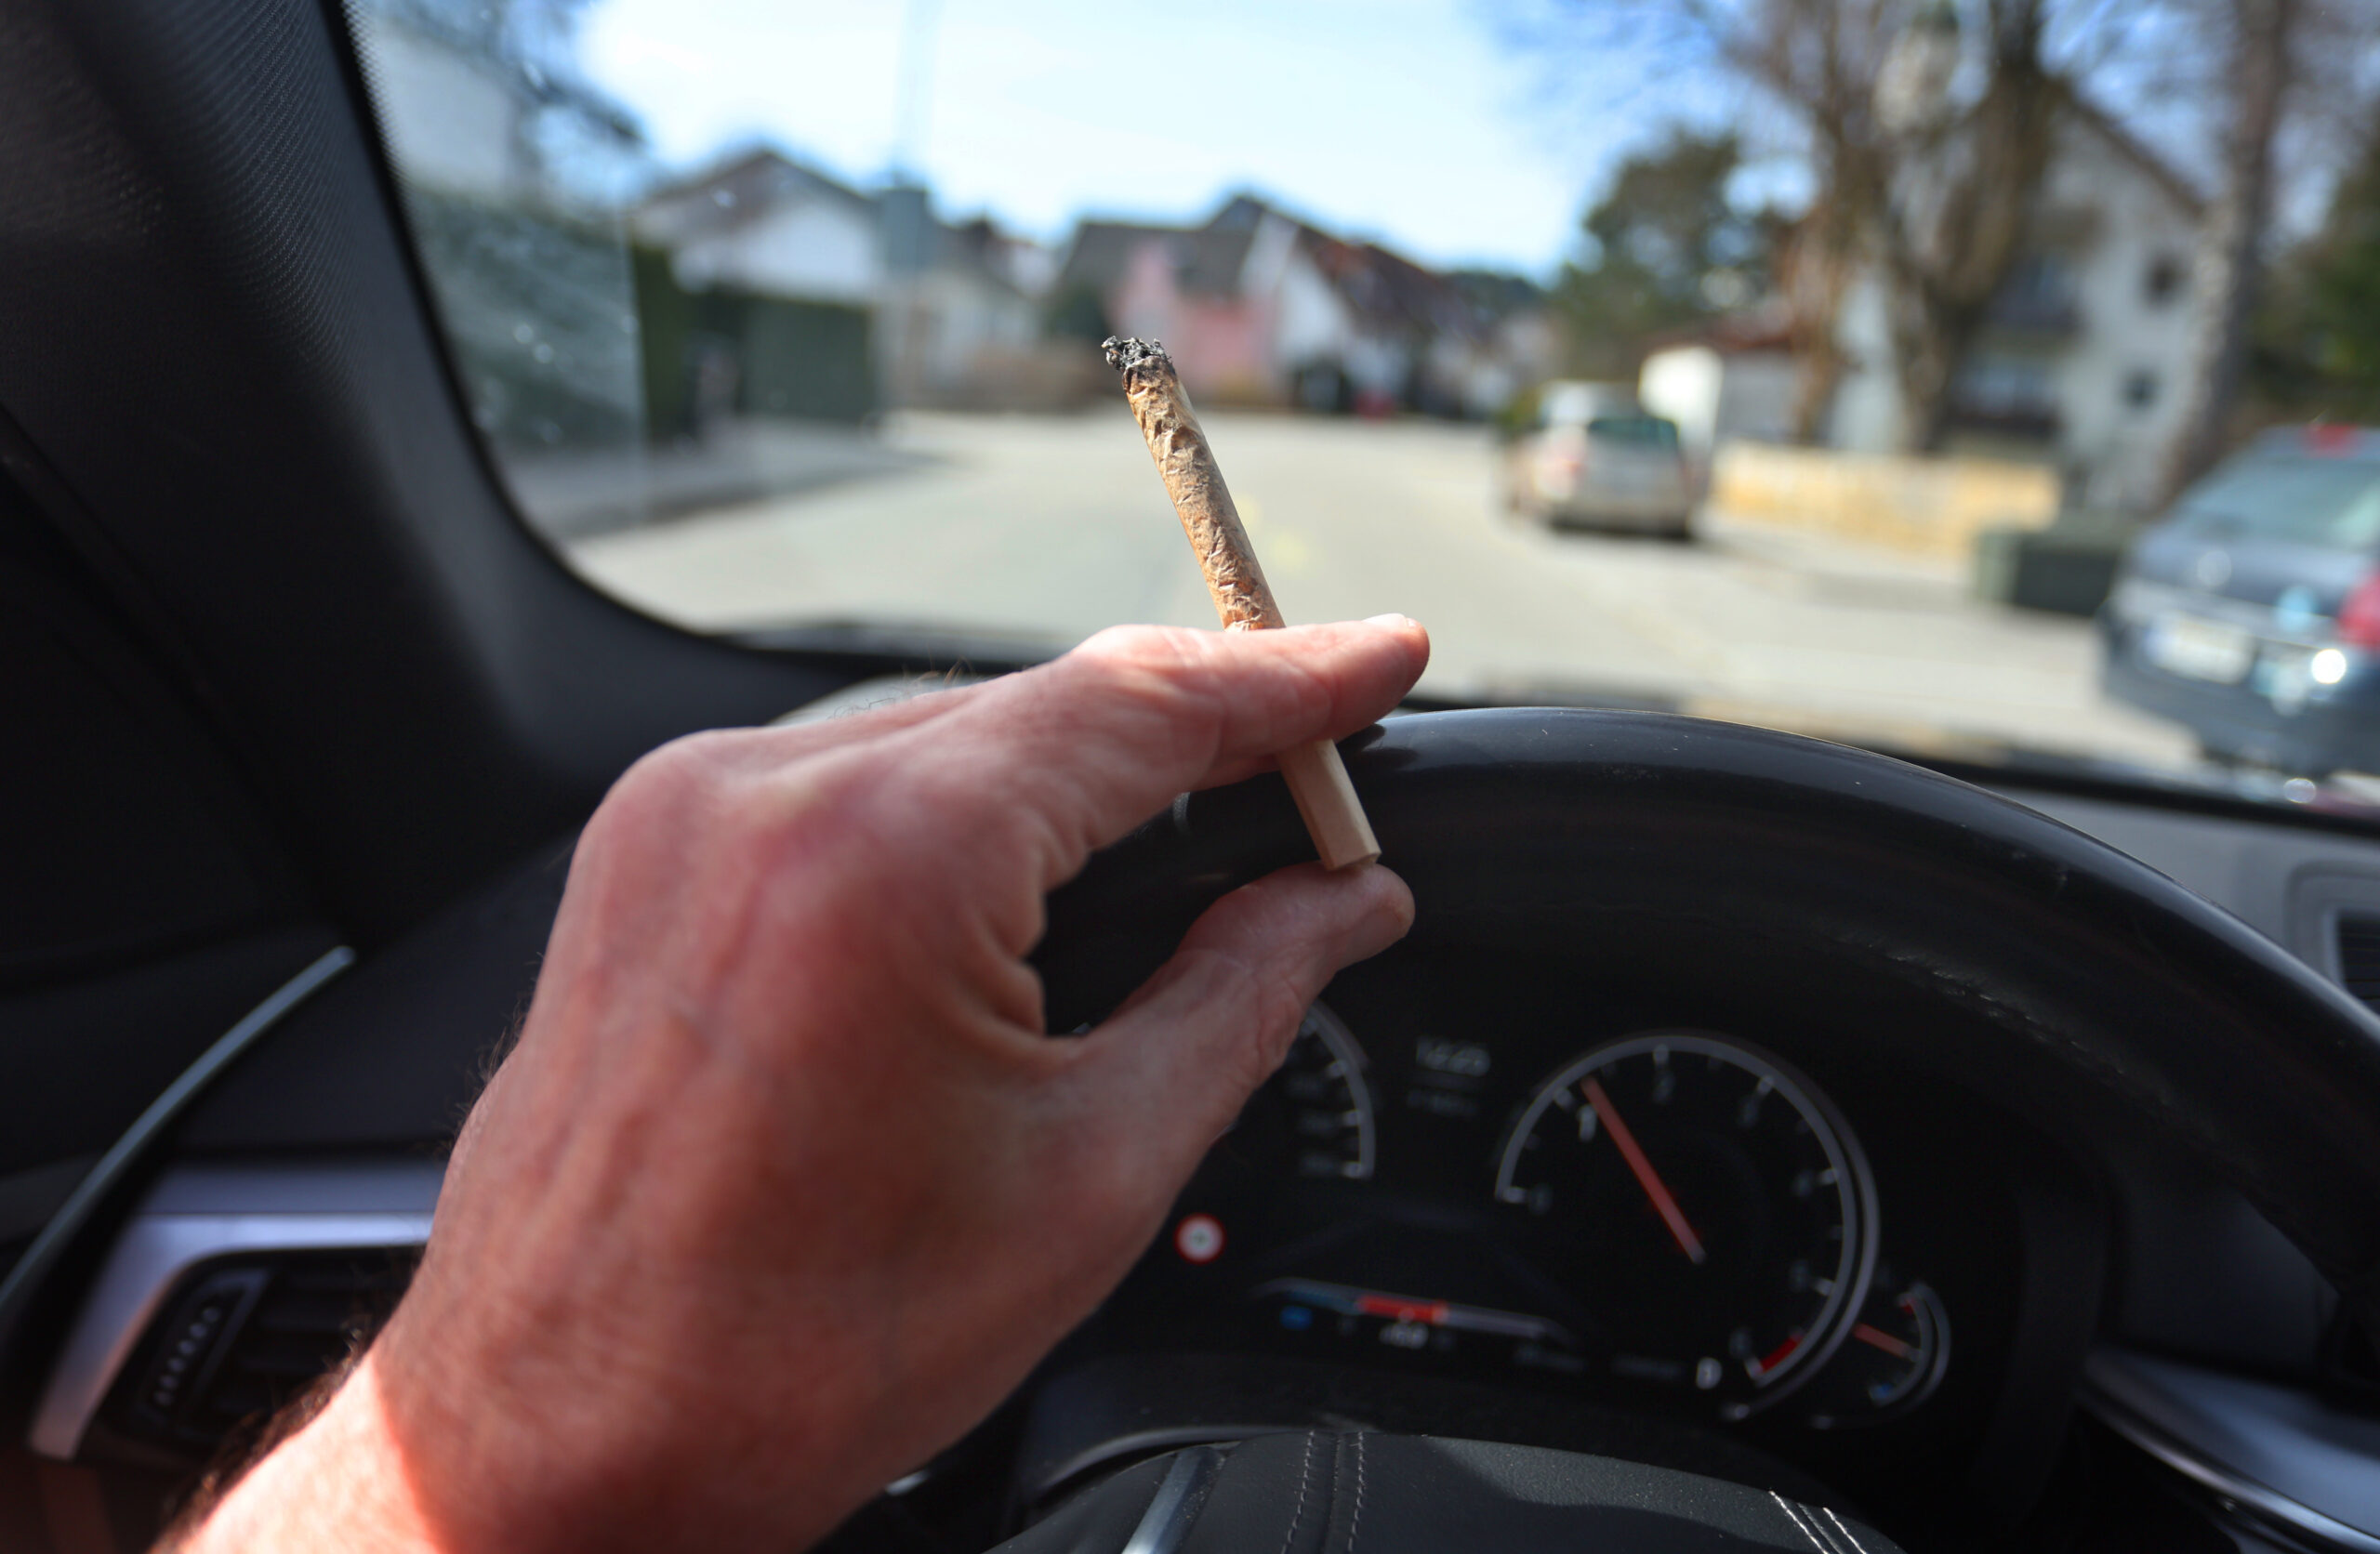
[(784, 1187)]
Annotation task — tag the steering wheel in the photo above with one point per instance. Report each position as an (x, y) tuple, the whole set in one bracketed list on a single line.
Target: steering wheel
[(2057, 964)]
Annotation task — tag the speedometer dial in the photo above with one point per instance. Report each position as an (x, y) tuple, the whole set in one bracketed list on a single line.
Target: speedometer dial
[(1314, 1117), (1703, 1206)]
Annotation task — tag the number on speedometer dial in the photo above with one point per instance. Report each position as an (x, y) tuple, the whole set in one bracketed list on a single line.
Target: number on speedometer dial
[(1314, 1117), (1703, 1205)]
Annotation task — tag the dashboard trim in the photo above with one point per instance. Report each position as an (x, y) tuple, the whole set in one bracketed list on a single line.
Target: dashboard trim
[(2106, 1396), (1142, 1443), (196, 1214), (1166, 1524), (103, 1178)]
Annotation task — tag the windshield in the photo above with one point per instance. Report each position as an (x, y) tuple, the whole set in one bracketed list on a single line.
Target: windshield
[(1892, 324), (2309, 500)]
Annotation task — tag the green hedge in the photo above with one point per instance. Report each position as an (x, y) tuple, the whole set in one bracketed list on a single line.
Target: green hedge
[(564, 337), (811, 361), (541, 316)]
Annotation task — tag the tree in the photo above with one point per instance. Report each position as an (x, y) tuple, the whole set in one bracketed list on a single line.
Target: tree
[(2317, 346), (1924, 152), (1934, 187), (1664, 248), (2231, 242), (2344, 276), (1955, 226), (2277, 75), (1926, 126), (1819, 60)]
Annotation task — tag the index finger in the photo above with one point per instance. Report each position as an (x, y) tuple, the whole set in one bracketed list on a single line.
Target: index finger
[(1092, 743)]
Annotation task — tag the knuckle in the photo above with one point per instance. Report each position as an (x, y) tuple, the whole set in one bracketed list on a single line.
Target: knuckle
[(1158, 647), (665, 784), (708, 796), (1271, 1004)]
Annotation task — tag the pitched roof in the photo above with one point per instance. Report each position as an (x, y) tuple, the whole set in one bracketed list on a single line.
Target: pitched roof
[(2133, 150), (750, 184), (1383, 288), (740, 191), (1207, 260)]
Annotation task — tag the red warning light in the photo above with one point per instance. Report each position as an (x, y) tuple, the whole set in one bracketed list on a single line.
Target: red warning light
[(1199, 1238)]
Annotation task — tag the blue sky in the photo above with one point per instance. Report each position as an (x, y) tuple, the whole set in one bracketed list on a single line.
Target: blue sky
[(1411, 121)]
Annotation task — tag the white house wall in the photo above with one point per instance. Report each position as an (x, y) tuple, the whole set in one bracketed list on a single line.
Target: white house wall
[(1682, 384), (2114, 447), (2109, 449), (1865, 417), (1270, 253), (819, 250), (965, 316), (451, 124), (1756, 397), (1311, 322)]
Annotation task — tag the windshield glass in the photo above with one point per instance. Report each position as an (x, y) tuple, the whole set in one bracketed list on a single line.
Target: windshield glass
[(2310, 500), (1907, 318)]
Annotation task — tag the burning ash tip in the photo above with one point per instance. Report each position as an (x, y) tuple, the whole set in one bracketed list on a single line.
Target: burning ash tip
[(1125, 354)]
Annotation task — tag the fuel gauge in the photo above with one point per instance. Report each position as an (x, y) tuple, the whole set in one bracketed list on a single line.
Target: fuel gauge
[(1891, 1361)]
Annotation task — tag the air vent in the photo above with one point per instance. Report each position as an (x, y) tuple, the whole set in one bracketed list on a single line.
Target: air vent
[(242, 1336), (2358, 946)]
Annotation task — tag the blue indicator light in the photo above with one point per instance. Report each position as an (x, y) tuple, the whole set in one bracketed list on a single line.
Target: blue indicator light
[(1297, 1318)]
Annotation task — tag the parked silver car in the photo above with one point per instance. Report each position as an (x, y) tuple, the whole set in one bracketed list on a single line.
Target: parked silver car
[(1594, 456)]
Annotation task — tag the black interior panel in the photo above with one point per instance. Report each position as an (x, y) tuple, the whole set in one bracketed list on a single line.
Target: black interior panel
[(217, 345), (129, 831), (124, 1037), (392, 1054)]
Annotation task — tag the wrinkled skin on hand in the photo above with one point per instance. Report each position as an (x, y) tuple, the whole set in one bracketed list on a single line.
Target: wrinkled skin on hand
[(784, 1187)]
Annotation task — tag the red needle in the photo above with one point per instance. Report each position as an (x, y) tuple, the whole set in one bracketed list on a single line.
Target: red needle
[(1883, 1340), (1630, 1151)]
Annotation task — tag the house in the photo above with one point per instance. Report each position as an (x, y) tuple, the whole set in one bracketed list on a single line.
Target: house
[(473, 109), (1731, 380), (1256, 305), (511, 165), (2084, 353), (763, 222), (947, 309)]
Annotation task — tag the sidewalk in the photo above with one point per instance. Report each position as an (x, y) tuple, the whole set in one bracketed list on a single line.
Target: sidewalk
[(583, 492)]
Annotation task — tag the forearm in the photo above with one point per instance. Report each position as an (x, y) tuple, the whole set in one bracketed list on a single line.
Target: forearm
[(340, 1480)]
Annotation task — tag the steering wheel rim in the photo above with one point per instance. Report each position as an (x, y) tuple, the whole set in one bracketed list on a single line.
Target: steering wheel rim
[(1523, 823)]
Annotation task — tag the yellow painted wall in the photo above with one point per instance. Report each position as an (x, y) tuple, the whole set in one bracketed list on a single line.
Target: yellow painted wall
[(1933, 506)]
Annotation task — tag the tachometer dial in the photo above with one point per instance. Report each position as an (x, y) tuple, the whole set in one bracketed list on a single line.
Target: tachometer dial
[(1314, 1117), (1707, 1211)]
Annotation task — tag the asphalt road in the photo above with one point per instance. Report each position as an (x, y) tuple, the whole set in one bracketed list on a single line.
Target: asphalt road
[(1043, 529)]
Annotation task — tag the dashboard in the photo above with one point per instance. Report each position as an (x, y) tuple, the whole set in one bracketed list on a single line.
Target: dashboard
[(1504, 1173), (1705, 1207)]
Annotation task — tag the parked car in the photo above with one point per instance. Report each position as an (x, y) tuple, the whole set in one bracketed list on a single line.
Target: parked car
[(1594, 456), (2250, 612)]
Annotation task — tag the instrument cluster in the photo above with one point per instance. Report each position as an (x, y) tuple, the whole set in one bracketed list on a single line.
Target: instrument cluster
[(1680, 1213)]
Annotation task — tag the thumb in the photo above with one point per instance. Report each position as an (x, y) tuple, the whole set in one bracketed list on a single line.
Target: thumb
[(1172, 1067)]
